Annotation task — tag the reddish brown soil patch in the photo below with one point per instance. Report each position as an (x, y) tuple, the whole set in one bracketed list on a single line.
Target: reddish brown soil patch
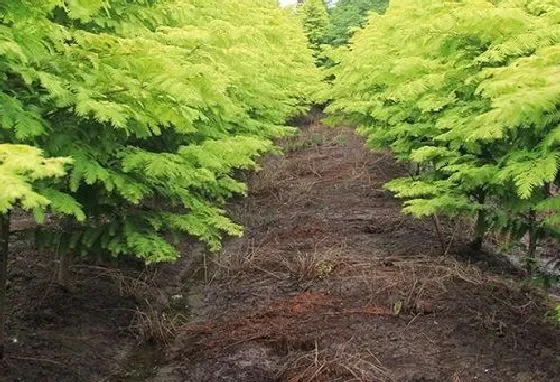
[(332, 283)]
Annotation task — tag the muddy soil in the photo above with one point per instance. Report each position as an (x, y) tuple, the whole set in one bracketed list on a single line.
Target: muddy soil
[(87, 330), (332, 283)]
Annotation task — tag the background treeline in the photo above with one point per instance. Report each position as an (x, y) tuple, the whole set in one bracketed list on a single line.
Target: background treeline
[(331, 24)]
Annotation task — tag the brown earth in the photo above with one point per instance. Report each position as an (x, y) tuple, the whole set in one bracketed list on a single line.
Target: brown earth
[(84, 331), (330, 283)]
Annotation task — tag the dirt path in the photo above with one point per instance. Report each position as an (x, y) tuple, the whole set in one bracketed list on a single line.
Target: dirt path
[(332, 283)]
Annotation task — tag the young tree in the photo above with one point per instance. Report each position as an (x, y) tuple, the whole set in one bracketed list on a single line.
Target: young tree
[(468, 91), (315, 24), (157, 104), (346, 16)]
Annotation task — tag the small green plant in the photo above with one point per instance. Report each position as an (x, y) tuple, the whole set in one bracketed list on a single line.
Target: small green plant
[(340, 140), (545, 281), (324, 269), (301, 143)]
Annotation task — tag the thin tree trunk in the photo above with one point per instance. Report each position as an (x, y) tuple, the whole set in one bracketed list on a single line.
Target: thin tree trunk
[(63, 257), (480, 228), (4, 239), (62, 269), (533, 240), (439, 231)]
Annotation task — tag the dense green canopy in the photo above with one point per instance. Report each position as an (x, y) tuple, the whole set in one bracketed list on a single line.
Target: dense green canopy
[(156, 102), (469, 91)]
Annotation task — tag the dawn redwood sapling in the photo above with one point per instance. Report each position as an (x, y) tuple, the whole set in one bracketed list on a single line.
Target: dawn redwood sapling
[(467, 90)]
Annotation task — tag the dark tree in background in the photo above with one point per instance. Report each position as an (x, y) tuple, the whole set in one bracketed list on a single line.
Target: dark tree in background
[(347, 15)]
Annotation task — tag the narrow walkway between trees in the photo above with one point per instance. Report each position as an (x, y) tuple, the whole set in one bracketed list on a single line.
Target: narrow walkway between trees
[(332, 283)]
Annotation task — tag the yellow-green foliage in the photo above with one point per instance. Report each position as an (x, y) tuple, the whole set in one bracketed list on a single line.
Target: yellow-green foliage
[(157, 103), (470, 91), (20, 167)]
